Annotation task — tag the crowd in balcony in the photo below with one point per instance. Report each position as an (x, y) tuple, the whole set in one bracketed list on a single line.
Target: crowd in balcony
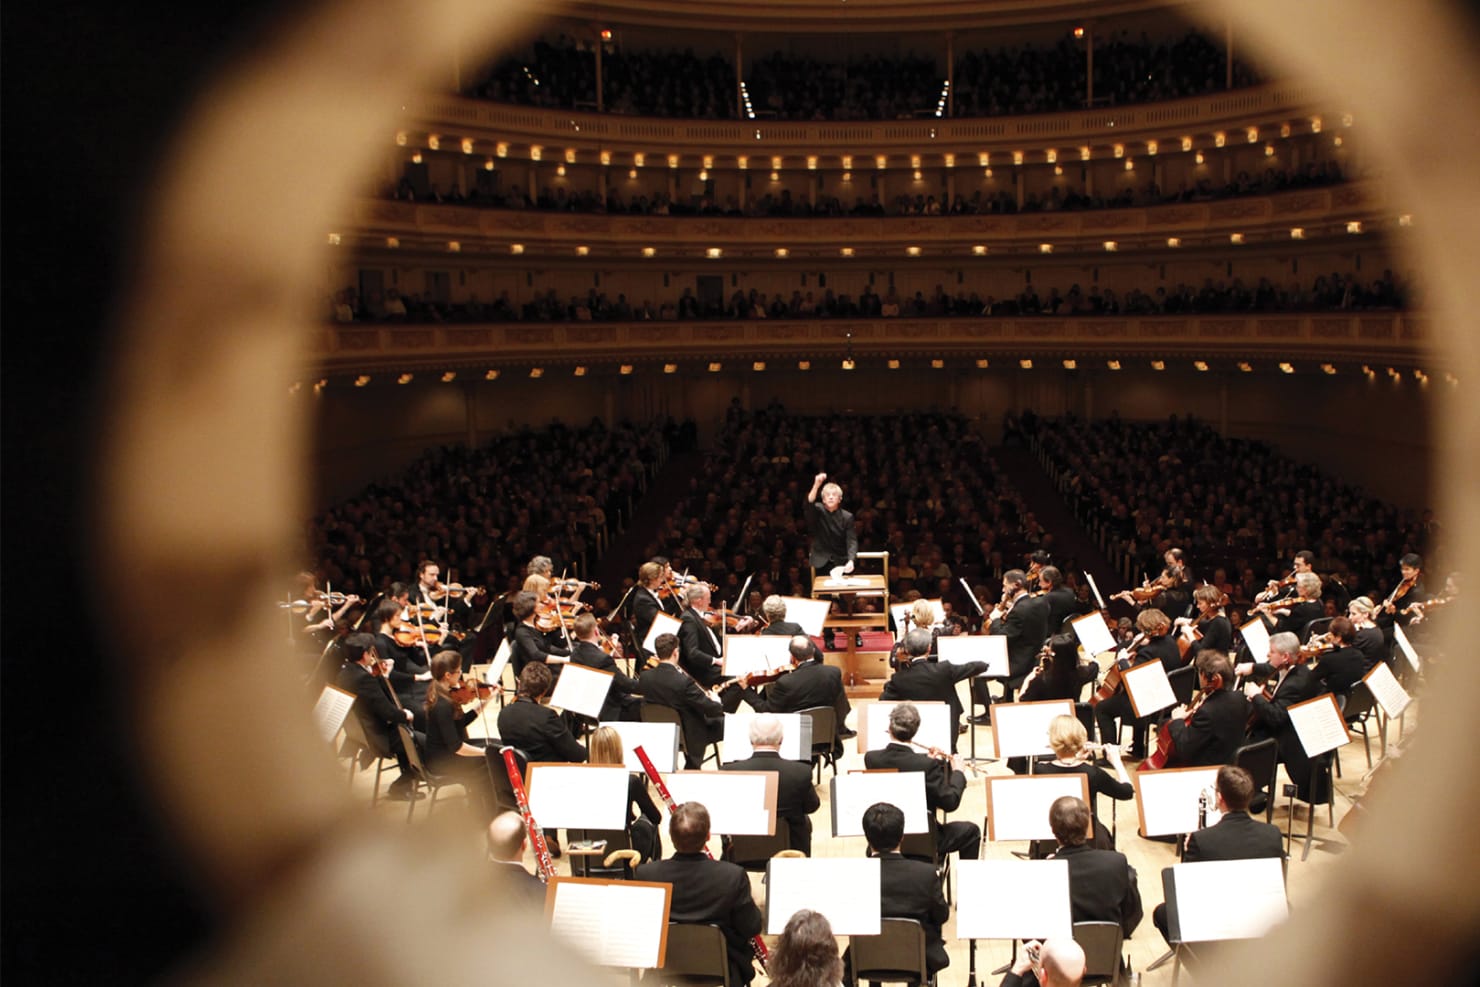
[(1238, 508), (1335, 292), (1019, 80)]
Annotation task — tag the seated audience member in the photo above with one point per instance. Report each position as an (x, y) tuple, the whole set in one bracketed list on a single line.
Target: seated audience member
[(796, 797)]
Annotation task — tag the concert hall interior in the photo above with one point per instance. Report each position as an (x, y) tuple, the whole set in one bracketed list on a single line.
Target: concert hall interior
[(650, 362)]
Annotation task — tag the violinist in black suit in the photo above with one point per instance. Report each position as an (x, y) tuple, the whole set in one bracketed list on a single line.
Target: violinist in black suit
[(1236, 836), (533, 727), (1278, 684), (527, 642), (699, 647), (810, 683), (945, 782), (796, 796), (1152, 643), (379, 713), (701, 715), (622, 699), (1215, 731), (1058, 598), (929, 681), (773, 609), (430, 594), (1023, 620)]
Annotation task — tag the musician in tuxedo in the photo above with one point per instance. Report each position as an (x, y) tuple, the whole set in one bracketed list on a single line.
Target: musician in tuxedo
[(507, 837), (1295, 616), (1284, 589), (646, 604), (833, 532), (1215, 731), (1211, 623), (1278, 684), (1153, 643), (1051, 963), (921, 679), (707, 891), (1102, 883), (534, 728), (701, 715), (422, 594), (622, 700), (773, 609), (1023, 620), (379, 713), (527, 642), (908, 888), (809, 683), (796, 796), (1344, 665), (698, 648), (1389, 613), (1057, 598), (1236, 836), (945, 782)]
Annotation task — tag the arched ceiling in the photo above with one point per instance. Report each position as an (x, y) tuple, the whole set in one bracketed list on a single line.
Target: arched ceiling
[(853, 16)]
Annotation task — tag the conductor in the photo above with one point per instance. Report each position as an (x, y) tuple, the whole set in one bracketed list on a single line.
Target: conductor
[(834, 534)]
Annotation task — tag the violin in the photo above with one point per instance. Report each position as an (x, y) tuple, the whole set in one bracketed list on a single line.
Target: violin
[(469, 690), (1148, 590), (552, 614), (454, 591), (1422, 609), (409, 635), (727, 619), (1275, 585), (1399, 591)]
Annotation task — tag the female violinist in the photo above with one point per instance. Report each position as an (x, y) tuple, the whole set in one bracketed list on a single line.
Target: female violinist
[(448, 748), (318, 607), (1152, 642), (1210, 629), (397, 641), (527, 642), (1060, 674)]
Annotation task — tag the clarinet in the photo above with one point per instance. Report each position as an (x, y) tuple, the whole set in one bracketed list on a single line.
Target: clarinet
[(757, 944), (536, 835)]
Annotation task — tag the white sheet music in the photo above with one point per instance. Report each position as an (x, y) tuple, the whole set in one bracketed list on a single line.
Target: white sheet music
[(746, 653), (836, 580), (1021, 729), (899, 610), (960, 649), (845, 889), (658, 740), (852, 794), (1319, 725), (1168, 800), (582, 689), (1149, 689), (1017, 805), (331, 709), (807, 612), (1406, 646), (581, 911), (662, 624), (873, 729), (796, 737), (1256, 636), (578, 796), (1095, 589), (1387, 690), (1093, 633), (495, 673), (1013, 899), (740, 803), (1229, 899)]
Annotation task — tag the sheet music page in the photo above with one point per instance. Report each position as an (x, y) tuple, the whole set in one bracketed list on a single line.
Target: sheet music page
[(1017, 805), (837, 580), (495, 673), (580, 915), (1021, 729), (1013, 899), (582, 689), (959, 649), (845, 889), (935, 725), (1256, 636), (1095, 588), (899, 610), (807, 612), (1319, 725), (796, 737), (662, 624), (746, 653), (740, 803), (1406, 646), (1387, 690), (1149, 689), (578, 796), (1229, 899), (658, 740), (1168, 799), (852, 794), (331, 709), (1093, 633)]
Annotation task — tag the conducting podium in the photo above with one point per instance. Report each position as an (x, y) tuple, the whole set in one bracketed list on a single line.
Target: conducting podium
[(848, 587)]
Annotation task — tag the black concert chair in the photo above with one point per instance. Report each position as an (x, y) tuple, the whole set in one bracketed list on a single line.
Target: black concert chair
[(895, 955), (658, 713), (754, 852), (1359, 710), (1318, 626), (1261, 760), (498, 774), (364, 747), (421, 775), (824, 737), (1101, 942), (1184, 682), (697, 956)]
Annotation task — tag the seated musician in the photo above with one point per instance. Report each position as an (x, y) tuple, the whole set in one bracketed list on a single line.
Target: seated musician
[(1023, 619), (705, 891), (810, 683), (622, 700), (409, 671), (1060, 674), (1410, 590), (1367, 637), (1278, 684), (908, 888), (1343, 664), (527, 642), (507, 839), (380, 714), (428, 594), (796, 797), (1215, 729), (1070, 743), (1060, 599), (1102, 883), (642, 814), (920, 616), (1052, 963), (773, 610), (1214, 628), (533, 728), (806, 953), (1284, 589), (1236, 836), (1153, 643), (1293, 616), (945, 782), (667, 684), (538, 576), (699, 648), (930, 681), (449, 750)]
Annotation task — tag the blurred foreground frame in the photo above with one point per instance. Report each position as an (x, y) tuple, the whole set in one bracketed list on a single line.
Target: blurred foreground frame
[(204, 479)]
